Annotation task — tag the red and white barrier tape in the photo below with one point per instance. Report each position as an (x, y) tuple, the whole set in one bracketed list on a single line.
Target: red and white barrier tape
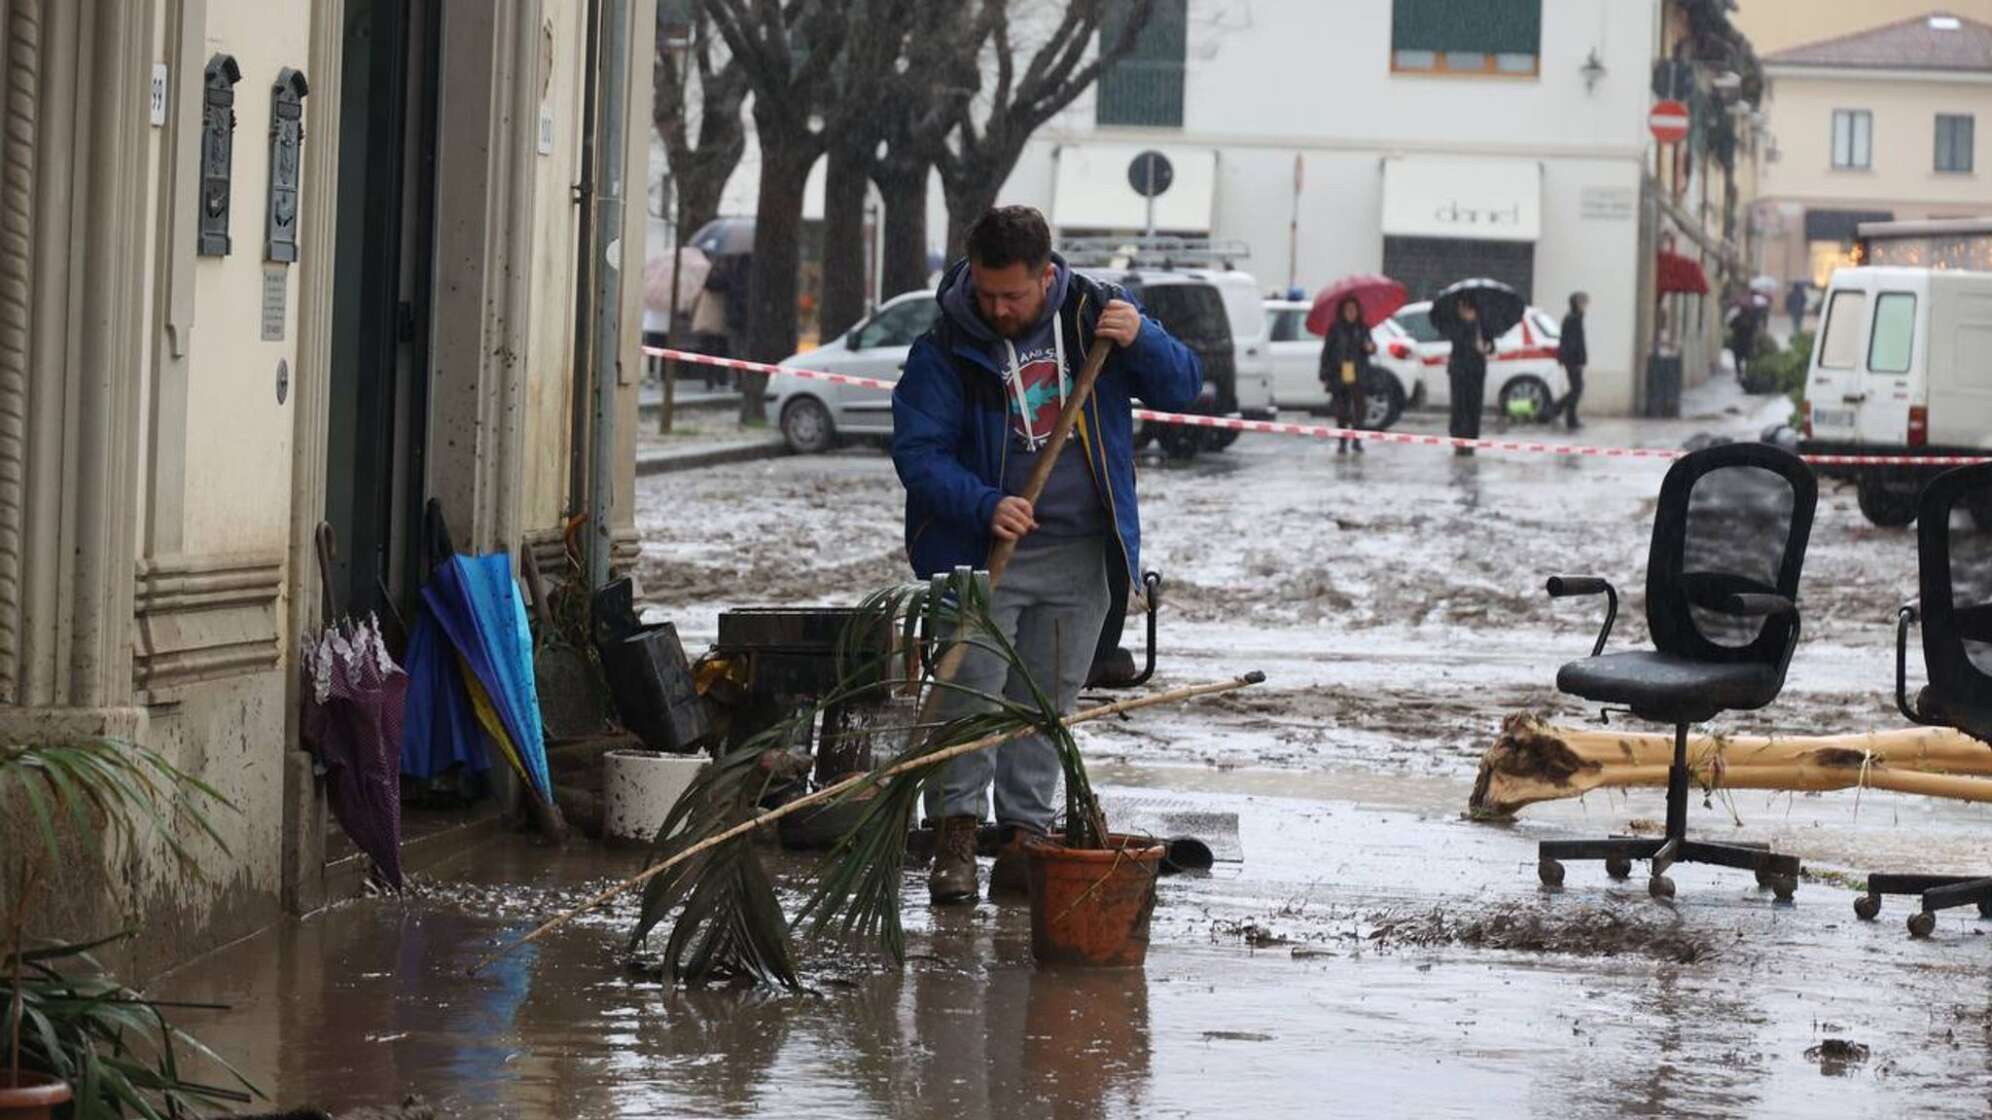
[(1320, 431)]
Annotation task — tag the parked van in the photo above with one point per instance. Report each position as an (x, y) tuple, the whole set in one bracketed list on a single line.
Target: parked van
[(1902, 365)]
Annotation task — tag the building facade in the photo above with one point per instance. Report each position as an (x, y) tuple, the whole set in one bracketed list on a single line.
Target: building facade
[(1427, 140), (1875, 125), (262, 266)]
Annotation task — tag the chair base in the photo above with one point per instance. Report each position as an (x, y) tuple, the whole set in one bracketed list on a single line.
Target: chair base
[(1777, 872), (1938, 892)]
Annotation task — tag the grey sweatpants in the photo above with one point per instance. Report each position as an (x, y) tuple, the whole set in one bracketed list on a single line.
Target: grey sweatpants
[(1050, 605)]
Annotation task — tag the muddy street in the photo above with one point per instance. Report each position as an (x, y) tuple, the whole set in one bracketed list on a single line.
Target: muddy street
[(1373, 953)]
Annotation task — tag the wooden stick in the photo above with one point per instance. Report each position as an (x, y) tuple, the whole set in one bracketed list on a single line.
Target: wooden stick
[(1105, 711)]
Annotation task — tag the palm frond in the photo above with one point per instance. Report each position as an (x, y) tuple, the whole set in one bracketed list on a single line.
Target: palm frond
[(729, 922), (114, 1047), (107, 785)]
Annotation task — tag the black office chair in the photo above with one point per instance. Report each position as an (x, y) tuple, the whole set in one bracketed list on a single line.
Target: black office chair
[(1721, 600), (1954, 562)]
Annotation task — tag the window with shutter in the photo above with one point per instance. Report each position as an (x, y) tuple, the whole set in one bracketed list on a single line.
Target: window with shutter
[(1485, 37), (1145, 87)]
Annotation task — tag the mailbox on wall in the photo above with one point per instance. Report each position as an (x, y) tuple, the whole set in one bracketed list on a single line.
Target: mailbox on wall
[(286, 145), (217, 152)]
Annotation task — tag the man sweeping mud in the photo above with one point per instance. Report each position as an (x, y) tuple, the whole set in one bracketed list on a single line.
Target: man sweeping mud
[(971, 416)]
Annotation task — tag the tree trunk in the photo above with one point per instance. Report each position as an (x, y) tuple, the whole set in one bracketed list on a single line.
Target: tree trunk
[(968, 199), (1532, 762), (903, 261), (844, 190), (786, 156)]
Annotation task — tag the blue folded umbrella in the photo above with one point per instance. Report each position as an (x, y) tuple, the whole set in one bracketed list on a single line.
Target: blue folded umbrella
[(476, 604), (439, 728)]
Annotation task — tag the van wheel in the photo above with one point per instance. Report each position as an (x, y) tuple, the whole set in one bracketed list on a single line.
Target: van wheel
[(807, 428), (1217, 439), (1144, 434), (1887, 502), (1180, 441)]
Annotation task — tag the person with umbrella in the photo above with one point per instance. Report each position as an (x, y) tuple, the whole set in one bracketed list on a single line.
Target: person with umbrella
[(1472, 314), (1345, 367), (1343, 314), (1466, 369)]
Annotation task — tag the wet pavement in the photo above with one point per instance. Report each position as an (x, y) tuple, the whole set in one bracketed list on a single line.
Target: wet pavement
[(1373, 954)]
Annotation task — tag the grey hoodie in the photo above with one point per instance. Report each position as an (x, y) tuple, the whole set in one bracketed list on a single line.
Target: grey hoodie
[(1037, 379)]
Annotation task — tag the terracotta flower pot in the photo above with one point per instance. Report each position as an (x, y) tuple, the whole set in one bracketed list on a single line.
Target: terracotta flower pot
[(34, 1096), (1091, 906)]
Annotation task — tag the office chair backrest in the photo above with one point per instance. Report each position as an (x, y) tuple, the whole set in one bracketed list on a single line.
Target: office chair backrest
[(1734, 518), (1954, 550)]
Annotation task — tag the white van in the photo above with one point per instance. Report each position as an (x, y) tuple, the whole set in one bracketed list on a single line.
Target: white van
[(1902, 365)]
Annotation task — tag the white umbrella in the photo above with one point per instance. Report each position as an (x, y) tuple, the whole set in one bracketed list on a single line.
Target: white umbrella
[(657, 280), (1764, 284)]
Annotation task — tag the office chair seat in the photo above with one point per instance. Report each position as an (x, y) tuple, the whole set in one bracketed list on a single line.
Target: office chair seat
[(1667, 688)]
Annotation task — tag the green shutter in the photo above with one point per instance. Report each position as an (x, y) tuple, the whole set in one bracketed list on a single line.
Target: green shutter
[(1483, 26), (1145, 87)]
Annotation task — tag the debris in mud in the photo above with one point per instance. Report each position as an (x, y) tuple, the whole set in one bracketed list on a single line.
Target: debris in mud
[(1236, 1036), (1250, 932), (1836, 1057), (1588, 931)]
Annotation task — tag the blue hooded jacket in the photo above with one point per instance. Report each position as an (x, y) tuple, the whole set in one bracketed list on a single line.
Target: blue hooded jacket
[(950, 421)]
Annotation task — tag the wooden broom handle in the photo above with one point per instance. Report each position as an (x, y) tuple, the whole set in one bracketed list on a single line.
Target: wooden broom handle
[(1001, 552)]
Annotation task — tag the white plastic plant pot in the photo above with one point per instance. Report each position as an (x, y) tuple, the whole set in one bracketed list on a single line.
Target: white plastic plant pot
[(638, 790)]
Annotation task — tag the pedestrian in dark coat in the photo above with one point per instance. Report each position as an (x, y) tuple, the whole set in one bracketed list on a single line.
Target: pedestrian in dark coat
[(1795, 305), (1466, 370), (1572, 355), (1345, 368)]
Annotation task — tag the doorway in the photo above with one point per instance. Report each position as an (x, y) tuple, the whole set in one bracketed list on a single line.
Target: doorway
[(378, 421)]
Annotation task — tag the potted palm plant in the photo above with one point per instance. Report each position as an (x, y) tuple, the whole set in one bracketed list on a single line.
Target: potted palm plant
[(1092, 890), (73, 1033)]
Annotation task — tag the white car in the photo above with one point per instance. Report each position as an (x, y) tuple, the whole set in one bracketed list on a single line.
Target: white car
[(1296, 364), (1523, 376), (814, 414)]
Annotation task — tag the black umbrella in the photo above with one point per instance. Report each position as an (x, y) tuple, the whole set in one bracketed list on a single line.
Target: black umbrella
[(354, 697), (725, 237), (1500, 306)]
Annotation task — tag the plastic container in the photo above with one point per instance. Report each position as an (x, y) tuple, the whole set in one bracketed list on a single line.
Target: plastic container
[(1091, 906)]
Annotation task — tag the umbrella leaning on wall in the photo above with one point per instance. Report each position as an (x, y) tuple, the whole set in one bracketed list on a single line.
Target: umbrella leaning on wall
[(354, 699), (474, 604)]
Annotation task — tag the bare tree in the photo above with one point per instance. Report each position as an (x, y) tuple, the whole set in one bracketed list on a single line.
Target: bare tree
[(792, 52), (987, 136), (877, 78), (699, 167)]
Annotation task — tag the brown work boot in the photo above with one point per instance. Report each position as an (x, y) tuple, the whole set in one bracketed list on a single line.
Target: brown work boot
[(1011, 873), (953, 876)]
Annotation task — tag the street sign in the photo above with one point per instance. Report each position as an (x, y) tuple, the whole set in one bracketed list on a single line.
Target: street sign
[(1150, 174), (1669, 122)]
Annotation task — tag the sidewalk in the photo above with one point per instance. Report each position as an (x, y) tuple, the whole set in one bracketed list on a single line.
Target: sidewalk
[(703, 439)]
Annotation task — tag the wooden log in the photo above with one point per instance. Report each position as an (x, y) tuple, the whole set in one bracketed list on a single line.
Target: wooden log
[(1533, 762)]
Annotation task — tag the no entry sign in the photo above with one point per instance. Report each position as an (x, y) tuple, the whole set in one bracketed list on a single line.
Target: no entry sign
[(1669, 122)]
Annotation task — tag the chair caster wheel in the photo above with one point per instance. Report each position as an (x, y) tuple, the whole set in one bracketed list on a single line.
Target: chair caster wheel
[(1550, 872), (1660, 887), (1618, 867), (1922, 923), (1783, 887), (1867, 907)]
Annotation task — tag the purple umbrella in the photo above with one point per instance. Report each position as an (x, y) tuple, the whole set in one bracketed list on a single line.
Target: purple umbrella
[(354, 696)]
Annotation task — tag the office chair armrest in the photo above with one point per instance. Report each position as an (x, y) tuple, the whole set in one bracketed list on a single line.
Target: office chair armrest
[(1905, 618), (1563, 587), (1758, 603)]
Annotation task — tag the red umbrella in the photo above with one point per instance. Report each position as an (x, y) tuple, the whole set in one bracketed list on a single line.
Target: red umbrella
[(1378, 296), (1677, 274)]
